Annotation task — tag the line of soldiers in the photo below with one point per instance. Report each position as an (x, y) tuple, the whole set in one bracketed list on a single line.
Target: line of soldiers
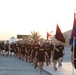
[(4, 48), (36, 52)]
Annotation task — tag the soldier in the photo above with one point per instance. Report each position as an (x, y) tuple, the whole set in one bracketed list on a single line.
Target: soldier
[(26, 51), (22, 51), (13, 47), (48, 50), (61, 53), (2, 47), (17, 49), (55, 55), (30, 52), (35, 48), (7, 48), (41, 55)]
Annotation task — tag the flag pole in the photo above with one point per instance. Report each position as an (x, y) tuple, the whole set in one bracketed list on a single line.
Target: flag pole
[(73, 53), (47, 36), (73, 44)]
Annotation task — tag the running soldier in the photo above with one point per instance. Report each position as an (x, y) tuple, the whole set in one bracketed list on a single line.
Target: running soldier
[(61, 53), (13, 48), (2, 47), (35, 49), (49, 49), (41, 55), (7, 48), (22, 51), (30, 52), (55, 55)]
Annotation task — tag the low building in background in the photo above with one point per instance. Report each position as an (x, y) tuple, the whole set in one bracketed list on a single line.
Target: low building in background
[(12, 39), (67, 36)]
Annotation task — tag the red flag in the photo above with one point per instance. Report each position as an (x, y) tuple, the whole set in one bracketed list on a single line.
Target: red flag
[(59, 36), (48, 35)]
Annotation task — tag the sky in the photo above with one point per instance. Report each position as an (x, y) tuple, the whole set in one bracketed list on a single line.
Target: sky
[(24, 16)]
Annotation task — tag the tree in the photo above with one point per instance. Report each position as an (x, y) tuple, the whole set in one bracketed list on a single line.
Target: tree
[(36, 36)]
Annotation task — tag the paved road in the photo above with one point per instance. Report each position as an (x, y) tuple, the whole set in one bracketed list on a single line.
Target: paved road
[(13, 66), (67, 56)]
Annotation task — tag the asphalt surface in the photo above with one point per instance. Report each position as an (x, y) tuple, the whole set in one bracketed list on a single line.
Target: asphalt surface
[(14, 66)]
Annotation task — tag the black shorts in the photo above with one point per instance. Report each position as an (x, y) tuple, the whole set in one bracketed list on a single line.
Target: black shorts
[(12, 50), (41, 59), (61, 54), (22, 52), (6, 49), (26, 54), (49, 53), (55, 57), (2, 48), (33, 54)]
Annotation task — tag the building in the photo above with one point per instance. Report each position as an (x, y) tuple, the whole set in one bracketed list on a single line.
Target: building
[(67, 36)]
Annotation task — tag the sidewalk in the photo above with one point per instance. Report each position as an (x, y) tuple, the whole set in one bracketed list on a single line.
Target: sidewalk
[(66, 69)]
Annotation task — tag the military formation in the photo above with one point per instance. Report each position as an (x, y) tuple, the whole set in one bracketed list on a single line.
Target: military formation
[(35, 52)]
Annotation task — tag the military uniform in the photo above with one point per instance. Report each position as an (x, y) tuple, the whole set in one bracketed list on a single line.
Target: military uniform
[(41, 53)]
